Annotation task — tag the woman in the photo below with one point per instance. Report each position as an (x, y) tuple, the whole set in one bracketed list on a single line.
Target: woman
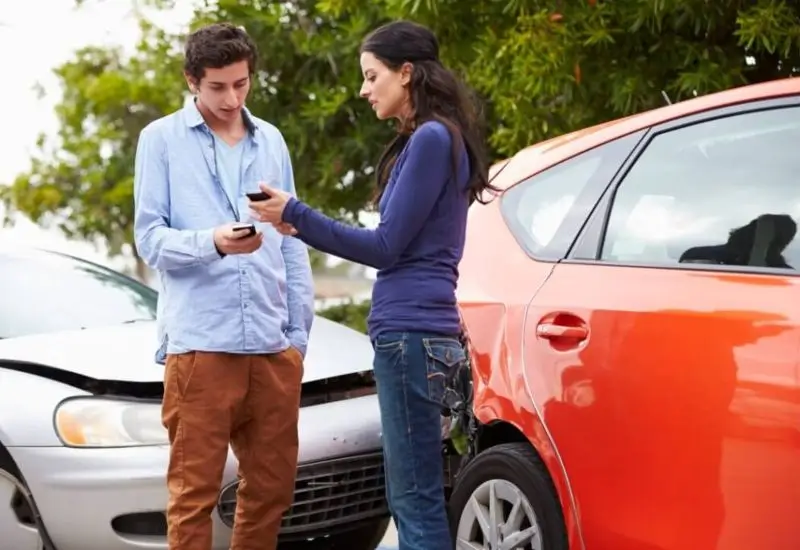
[(427, 178)]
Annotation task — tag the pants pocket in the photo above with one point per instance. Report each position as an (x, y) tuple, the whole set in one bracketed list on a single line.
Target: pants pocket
[(444, 357), (179, 371), (294, 355), (391, 341), (295, 359)]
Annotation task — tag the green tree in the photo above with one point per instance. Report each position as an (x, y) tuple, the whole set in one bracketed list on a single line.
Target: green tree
[(548, 67), (82, 180), (351, 314), (543, 68), (307, 85)]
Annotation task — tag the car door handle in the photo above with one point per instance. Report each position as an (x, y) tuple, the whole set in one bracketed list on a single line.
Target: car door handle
[(552, 330)]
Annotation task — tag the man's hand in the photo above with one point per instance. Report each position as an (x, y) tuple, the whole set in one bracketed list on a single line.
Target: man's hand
[(229, 241)]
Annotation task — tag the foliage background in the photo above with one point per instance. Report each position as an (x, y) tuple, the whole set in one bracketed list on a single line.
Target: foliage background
[(541, 68)]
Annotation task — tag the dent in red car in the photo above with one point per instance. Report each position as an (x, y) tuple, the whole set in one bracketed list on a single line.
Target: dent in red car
[(663, 452), (493, 301)]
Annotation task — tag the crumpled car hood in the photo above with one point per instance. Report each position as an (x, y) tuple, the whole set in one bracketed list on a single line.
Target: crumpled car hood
[(126, 353)]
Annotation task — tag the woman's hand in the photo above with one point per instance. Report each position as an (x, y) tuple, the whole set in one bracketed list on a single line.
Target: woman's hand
[(271, 210), (285, 229)]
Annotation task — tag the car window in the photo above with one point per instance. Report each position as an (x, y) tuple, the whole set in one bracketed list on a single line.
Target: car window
[(49, 292), (545, 211), (724, 191)]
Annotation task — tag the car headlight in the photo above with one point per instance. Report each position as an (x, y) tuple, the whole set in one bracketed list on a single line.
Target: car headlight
[(100, 422)]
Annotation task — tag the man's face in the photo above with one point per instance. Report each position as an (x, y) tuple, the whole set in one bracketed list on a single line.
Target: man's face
[(223, 92)]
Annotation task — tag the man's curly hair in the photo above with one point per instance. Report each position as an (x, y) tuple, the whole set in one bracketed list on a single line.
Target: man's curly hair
[(216, 46)]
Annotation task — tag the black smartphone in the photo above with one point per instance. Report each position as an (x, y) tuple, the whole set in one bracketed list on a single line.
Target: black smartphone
[(249, 227), (259, 196)]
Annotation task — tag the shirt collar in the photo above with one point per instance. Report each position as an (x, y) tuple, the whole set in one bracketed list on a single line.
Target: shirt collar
[(194, 118)]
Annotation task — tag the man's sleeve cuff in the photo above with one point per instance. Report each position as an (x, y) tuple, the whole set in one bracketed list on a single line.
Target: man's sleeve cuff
[(298, 339), (208, 251)]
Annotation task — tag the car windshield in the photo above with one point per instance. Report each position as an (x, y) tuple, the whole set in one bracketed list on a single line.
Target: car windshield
[(48, 292)]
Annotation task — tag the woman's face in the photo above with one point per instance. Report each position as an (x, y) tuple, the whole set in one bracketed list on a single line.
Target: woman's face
[(384, 88)]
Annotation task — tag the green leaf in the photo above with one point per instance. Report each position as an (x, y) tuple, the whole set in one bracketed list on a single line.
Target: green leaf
[(518, 55)]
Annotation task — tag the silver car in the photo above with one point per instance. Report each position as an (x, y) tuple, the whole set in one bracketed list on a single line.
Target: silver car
[(83, 454)]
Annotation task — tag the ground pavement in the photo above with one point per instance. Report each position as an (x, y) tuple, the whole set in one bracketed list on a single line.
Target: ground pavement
[(389, 542)]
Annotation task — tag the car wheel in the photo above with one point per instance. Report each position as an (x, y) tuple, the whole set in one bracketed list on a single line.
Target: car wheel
[(365, 537), (503, 499), (16, 520)]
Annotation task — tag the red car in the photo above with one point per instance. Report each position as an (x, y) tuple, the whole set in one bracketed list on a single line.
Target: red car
[(632, 301)]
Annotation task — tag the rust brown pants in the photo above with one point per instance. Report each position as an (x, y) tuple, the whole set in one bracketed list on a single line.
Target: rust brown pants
[(251, 402)]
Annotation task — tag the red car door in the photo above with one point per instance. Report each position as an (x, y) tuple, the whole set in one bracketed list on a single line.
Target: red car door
[(663, 352)]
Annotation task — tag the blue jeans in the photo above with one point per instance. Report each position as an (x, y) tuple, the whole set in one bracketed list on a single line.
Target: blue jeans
[(410, 370)]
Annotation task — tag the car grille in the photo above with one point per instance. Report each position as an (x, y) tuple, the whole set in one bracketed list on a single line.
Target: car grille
[(327, 493)]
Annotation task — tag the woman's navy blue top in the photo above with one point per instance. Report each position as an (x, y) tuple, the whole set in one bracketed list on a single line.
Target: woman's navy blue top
[(418, 243)]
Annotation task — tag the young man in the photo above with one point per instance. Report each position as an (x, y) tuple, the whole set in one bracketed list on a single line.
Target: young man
[(235, 309)]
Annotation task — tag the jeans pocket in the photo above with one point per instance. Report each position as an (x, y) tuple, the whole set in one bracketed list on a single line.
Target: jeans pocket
[(389, 341), (444, 356)]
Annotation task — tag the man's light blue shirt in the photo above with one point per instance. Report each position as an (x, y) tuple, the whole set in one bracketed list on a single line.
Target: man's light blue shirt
[(261, 302)]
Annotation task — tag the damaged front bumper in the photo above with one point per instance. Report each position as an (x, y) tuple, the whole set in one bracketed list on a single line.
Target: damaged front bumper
[(119, 494)]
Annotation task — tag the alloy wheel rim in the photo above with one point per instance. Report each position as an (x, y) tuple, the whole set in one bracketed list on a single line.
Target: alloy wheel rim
[(498, 516)]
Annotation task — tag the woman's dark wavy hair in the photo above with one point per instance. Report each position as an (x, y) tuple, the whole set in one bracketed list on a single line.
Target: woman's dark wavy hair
[(436, 94)]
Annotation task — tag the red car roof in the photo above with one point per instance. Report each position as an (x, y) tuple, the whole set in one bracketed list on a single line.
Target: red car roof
[(547, 153)]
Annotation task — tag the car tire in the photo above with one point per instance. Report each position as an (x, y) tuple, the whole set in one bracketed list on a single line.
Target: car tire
[(506, 473), (365, 537), (22, 535)]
